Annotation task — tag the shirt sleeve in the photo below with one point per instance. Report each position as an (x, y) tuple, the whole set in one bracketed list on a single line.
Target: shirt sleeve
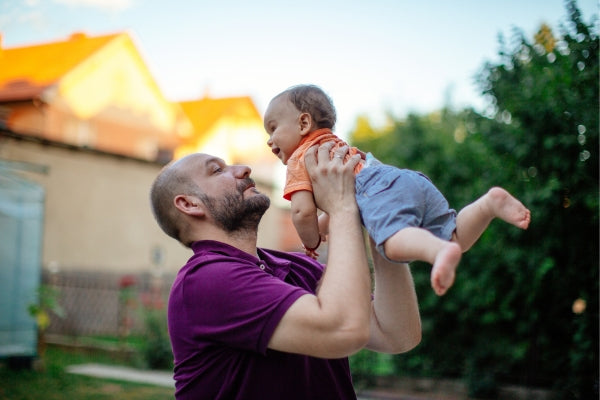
[(297, 177), (236, 304)]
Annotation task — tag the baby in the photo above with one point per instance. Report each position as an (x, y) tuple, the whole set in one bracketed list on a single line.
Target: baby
[(407, 217)]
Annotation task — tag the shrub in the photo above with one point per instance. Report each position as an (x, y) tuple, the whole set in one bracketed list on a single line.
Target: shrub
[(157, 346)]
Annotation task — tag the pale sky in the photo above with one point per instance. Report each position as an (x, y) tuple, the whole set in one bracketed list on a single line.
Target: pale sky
[(372, 56)]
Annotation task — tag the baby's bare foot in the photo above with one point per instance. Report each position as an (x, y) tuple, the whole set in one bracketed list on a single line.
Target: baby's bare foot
[(444, 268), (504, 206)]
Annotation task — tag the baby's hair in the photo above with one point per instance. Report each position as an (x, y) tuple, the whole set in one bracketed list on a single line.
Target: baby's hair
[(313, 100)]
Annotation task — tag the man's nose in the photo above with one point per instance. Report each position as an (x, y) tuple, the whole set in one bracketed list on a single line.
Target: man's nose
[(242, 171)]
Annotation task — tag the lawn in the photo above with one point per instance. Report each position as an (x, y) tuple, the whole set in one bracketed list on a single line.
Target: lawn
[(53, 383)]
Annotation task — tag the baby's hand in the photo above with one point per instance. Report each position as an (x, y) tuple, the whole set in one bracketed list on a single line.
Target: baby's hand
[(323, 222), (323, 237), (311, 253)]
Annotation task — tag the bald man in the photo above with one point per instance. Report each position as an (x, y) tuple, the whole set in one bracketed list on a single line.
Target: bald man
[(253, 323)]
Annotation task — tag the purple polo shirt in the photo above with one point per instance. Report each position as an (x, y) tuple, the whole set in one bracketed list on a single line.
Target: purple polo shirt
[(223, 308)]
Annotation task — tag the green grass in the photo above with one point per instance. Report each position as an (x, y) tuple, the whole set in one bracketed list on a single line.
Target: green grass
[(53, 383), (133, 341)]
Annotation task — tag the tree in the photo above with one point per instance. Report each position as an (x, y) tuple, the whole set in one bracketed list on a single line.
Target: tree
[(549, 89), (524, 308)]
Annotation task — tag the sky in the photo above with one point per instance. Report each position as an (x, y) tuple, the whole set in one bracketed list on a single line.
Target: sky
[(372, 57)]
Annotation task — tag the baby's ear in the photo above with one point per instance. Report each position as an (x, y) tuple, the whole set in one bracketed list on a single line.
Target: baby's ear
[(306, 123)]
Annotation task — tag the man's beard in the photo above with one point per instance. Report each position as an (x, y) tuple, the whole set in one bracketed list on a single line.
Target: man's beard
[(233, 213)]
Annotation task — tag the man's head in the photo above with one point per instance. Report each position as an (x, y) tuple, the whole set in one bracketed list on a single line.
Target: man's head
[(294, 113), (199, 193)]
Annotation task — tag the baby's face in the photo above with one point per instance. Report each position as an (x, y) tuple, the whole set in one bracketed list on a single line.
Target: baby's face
[(282, 123)]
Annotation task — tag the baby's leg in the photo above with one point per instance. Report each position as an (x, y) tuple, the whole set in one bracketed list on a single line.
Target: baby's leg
[(473, 220), (410, 244)]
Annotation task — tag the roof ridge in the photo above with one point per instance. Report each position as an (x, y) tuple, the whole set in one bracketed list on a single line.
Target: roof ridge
[(77, 35)]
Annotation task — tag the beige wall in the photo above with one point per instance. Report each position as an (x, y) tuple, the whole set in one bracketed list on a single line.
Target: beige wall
[(97, 213)]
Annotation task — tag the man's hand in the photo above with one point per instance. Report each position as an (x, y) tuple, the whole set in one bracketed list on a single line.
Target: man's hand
[(332, 180)]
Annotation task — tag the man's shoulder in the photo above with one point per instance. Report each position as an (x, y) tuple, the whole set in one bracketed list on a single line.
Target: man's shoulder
[(292, 258), (285, 255), (213, 262)]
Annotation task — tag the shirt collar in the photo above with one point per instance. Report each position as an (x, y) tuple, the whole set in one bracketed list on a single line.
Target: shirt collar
[(315, 134), (277, 266)]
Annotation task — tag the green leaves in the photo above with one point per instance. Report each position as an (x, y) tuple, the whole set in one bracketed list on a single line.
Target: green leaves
[(508, 317), (47, 302)]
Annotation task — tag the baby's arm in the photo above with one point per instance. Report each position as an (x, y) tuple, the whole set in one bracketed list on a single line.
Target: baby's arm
[(304, 216)]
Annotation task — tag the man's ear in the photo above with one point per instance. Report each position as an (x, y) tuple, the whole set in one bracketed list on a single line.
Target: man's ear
[(190, 205), (306, 123)]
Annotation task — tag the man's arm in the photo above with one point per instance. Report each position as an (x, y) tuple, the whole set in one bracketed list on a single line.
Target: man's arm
[(395, 319), (333, 323)]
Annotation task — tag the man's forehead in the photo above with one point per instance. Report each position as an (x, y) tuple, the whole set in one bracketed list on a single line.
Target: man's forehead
[(198, 160)]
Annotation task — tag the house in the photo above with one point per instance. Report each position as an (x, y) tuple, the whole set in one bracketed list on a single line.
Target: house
[(84, 130), (91, 92), (87, 112)]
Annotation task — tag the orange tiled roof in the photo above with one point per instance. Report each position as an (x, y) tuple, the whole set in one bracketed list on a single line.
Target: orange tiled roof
[(205, 112), (26, 71)]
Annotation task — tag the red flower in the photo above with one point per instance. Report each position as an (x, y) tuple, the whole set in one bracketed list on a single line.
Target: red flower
[(127, 281)]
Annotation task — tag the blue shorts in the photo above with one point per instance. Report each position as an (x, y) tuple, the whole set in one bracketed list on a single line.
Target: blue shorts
[(390, 199)]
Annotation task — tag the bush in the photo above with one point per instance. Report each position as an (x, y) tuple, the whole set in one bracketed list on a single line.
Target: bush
[(366, 366), (157, 346)]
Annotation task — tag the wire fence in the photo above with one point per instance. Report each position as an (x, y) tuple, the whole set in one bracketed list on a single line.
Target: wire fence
[(104, 303)]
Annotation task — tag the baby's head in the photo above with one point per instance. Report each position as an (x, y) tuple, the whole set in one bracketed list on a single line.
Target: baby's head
[(293, 114), (313, 100)]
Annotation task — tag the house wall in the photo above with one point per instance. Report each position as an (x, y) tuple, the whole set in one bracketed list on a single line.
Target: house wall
[(26, 118), (97, 212)]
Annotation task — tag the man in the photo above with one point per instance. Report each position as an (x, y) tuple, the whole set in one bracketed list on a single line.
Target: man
[(251, 323)]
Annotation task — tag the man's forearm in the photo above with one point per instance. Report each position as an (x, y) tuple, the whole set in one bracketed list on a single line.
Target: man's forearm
[(395, 319), (345, 290), (344, 293), (334, 322)]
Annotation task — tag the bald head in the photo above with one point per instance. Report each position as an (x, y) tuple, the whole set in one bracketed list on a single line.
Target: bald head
[(174, 179)]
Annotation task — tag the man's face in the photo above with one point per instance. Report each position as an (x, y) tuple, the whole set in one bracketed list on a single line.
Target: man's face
[(229, 194)]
